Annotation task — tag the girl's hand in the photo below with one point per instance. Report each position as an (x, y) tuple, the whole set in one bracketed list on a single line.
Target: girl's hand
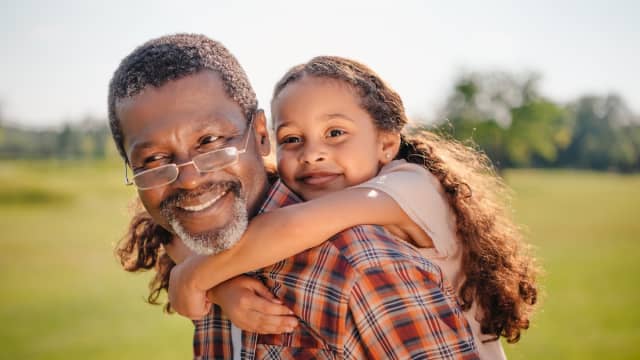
[(185, 297), (252, 307)]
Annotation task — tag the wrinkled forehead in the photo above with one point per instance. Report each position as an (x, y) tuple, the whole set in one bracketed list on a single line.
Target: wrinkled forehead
[(190, 104)]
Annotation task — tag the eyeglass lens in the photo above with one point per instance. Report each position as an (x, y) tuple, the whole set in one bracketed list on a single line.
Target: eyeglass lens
[(206, 162)]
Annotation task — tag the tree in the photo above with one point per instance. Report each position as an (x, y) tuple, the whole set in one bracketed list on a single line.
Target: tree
[(507, 117), (605, 135), (69, 143)]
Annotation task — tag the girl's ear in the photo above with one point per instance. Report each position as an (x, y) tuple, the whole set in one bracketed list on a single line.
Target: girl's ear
[(389, 144), (262, 133)]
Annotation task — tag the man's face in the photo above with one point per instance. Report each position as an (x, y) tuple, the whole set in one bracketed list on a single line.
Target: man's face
[(174, 123)]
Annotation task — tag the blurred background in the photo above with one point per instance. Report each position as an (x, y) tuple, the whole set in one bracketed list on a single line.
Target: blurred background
[(548, 89)]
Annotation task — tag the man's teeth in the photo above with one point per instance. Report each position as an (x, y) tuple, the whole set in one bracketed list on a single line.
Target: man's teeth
[(203, 206)]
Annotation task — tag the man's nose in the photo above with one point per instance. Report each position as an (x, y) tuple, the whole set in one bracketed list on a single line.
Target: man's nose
[(188, 176), (313, 152)]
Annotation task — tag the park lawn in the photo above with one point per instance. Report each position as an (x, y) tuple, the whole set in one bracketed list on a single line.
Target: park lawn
[(65, 297), (586, 230), (64, 294)]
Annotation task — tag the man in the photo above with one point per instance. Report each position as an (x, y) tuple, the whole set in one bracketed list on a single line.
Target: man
[(185, 119)]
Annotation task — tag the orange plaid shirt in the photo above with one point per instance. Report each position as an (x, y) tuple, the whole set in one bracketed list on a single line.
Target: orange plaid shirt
[(359, 295)]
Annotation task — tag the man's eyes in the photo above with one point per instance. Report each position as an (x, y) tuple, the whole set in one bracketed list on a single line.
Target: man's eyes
[(208, 139), (151, 162)]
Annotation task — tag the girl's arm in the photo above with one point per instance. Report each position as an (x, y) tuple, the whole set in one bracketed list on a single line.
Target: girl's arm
[(246, 301), (284, 232)]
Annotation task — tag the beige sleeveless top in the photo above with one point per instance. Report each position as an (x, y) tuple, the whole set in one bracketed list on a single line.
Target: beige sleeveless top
[(422, 198)]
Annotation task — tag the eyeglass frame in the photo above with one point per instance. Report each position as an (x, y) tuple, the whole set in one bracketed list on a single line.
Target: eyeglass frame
[(238, 152)]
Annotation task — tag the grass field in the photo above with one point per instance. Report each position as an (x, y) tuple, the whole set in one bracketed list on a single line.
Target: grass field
[(65, 297)]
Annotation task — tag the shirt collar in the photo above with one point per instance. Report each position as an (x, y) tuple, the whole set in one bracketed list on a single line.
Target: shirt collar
[(279, 196)]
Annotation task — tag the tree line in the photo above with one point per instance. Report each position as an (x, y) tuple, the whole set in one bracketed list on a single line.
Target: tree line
[(507, 117), (503, 114), (87, 139)]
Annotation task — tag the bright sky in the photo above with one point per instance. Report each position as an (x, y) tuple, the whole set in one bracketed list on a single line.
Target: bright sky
[(58, 56)]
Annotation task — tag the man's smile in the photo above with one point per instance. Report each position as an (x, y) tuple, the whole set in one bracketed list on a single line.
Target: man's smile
[(209, 218), (198, 205), (202, 204)]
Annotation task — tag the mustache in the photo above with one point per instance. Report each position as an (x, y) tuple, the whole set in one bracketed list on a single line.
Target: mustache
[(180, 196)]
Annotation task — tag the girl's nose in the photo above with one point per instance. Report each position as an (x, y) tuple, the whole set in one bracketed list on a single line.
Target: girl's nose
[(313, 153)]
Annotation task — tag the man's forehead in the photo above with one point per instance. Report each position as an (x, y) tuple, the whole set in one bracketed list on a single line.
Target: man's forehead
[(201, 94), (202, 81), (144, 126), (165, 134), (154, 129)]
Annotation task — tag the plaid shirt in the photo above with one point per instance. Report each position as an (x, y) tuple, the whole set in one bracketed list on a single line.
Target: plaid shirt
[(360, 295)]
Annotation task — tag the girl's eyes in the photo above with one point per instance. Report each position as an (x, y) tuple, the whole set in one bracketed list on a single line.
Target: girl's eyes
[(335, 133), (291, 140)]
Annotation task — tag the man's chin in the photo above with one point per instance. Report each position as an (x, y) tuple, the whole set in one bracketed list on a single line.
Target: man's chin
[(213, 241)]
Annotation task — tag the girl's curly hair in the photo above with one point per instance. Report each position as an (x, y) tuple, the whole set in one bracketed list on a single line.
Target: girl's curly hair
[(141, 249), (500, 273)]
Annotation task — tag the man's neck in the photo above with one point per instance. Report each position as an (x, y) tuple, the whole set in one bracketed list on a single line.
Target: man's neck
[(270, 179)]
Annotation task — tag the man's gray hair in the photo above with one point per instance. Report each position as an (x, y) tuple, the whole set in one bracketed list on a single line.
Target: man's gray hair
[(172, 57)]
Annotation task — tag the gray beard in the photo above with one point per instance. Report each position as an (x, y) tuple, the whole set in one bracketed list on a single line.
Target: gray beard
[(215, 241)]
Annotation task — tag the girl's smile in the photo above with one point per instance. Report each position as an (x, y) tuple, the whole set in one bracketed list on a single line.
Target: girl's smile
[(318, 177)]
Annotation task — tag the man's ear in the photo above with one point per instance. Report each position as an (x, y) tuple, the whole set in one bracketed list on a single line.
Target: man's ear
[(389, 144), (262, 134)]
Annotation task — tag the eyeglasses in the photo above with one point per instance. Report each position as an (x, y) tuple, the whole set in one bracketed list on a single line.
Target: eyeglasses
[(207, 162)]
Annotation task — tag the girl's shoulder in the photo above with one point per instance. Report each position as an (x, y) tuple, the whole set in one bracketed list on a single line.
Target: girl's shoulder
[(402, 166), (408, 176), (421, 197)]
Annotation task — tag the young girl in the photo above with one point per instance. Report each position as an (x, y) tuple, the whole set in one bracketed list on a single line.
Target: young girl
[(339, 147)]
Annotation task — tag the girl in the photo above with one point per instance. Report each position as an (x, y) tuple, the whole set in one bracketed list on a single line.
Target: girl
[(340, 147)]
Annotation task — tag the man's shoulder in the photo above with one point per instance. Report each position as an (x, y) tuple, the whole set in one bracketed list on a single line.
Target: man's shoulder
[(279, 195), (358, 248), (366, 247)]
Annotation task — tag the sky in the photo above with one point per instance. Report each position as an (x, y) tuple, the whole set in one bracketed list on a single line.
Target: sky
[(58, 56)]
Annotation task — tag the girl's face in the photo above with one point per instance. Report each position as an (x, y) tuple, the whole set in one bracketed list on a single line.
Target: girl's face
[(325, 140)]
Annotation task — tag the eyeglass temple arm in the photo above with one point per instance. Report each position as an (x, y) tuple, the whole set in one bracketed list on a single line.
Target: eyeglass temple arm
[(126, 175), (249, 130)]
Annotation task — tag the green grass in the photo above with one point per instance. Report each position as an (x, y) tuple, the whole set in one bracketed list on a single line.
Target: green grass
[(586, 228), (64, 295)]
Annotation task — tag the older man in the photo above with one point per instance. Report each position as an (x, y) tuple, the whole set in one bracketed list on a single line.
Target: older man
[(185, 119)]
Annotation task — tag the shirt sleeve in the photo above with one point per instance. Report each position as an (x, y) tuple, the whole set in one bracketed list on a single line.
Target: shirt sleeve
[(420, 196), (212, 336), (401, 312)]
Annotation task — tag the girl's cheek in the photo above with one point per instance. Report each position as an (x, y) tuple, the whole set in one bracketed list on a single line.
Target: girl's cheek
[(283, 163)]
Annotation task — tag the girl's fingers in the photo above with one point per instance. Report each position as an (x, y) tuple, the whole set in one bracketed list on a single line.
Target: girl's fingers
[(257, 314), (268, 324), (252, 307), (265, 293), (259, 288), (266, 307)]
